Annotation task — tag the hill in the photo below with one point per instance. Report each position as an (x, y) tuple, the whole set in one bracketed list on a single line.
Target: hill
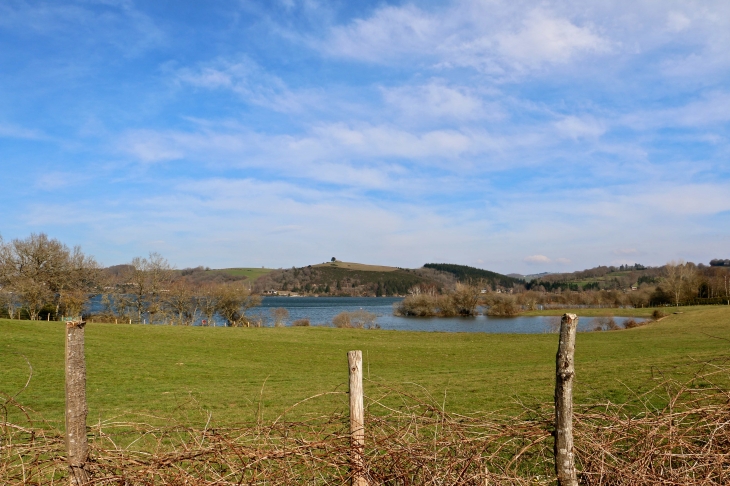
[(465, 274), (351, 279), (601, 277), (356, 266)]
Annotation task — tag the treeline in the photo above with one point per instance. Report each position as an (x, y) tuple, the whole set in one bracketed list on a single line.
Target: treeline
[(41, 278), (672, 284), (465, 274)]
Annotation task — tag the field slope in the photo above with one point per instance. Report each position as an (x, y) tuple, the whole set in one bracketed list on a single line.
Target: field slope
[(235, 372)]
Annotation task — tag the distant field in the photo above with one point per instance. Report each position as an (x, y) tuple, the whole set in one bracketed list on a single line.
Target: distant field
[(230, 371), (250, 273), (357, 266)]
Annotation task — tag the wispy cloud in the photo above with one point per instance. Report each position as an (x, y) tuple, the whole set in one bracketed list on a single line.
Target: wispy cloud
[(252, 83), (493, 38), (506, 134), (8, 130)]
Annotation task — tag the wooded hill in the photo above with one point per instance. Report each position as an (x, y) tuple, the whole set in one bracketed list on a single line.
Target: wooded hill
[(601, 277), (342, 278), (465, 274)]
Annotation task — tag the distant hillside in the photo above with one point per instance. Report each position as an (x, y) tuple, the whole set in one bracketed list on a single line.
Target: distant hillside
[(356, 266), (205, 275), (355, 279), (464, 273), (601, 277)]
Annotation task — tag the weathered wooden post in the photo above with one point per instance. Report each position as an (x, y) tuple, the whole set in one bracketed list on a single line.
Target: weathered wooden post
[(76, 443), (564, 374), (357, 418)]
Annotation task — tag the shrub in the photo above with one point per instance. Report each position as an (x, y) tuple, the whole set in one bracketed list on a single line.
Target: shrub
[(359, 319), (630, 324), (606, 323), (658, 314), (342, 320), (504, 308), (418, 306), (462, 301), (301, 322)]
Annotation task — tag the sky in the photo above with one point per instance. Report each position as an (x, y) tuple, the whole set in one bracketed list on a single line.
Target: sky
[(515, 136)]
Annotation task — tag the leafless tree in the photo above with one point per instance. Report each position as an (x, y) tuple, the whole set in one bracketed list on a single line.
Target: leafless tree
[(43, 271), (180, 302), (207, 301), (679, 277), (233, 300), (143, 283), (464, 299), (279, 315), (11, 304)]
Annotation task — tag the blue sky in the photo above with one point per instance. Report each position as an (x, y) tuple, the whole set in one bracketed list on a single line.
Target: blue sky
[(509, 135)]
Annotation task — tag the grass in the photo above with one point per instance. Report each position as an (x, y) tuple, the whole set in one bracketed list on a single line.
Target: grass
[(235, 372), (607, 311), (250, 273)]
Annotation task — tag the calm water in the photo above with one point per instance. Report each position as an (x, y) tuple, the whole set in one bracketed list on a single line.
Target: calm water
[(321, 310)]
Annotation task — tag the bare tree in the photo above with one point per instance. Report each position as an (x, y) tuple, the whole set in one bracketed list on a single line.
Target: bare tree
[(465, 299), (143, 282), (679, 277), (233, 300), (11, 304), (43, 271), (180, 302), (279, 315), (207, 301)]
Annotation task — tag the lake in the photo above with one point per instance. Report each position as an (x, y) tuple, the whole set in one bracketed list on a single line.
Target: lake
[(321, 310)]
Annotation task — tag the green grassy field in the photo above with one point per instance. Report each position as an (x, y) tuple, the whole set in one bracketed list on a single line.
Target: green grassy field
[(233, 371), (250, 273)]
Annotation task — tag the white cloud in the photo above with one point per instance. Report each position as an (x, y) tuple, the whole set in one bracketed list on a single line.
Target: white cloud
[(536, 259), (543, 260), (389, 33), (580, 127), (712, 109), (677, 21), (491, 37), (544, 38), (333, 143), (438, 101)]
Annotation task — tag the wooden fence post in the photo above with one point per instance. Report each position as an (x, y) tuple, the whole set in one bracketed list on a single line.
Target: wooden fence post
[(357, 418), (564, 374), (76, 443)]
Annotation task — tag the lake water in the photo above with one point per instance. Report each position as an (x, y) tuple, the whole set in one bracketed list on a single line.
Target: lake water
[(321, 310)]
